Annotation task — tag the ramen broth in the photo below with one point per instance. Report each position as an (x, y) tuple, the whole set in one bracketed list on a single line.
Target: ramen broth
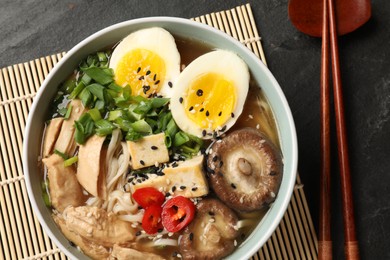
[(256, 114)]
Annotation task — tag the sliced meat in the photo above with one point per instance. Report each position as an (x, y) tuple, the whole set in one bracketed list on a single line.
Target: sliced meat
[(91, 171), (64, 188), (65, 141), (98, 226), (245, 170), (51, 135), (211, 234), (132, 254), (92, 250)]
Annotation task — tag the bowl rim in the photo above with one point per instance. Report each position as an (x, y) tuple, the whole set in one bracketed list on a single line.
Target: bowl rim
[(246, 249)]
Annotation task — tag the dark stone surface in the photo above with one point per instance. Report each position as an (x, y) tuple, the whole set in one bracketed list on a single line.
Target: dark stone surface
[(31, 29)]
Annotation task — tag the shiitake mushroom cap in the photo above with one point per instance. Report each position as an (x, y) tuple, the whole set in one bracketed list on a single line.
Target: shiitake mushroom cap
[(245, 169), (212, 233)]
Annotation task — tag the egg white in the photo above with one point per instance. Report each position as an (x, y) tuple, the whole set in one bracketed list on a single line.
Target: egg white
[(221, 62), (158, 41)]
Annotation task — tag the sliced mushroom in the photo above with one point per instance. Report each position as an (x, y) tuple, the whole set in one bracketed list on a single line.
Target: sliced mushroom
[(211, 234), (245, 170)]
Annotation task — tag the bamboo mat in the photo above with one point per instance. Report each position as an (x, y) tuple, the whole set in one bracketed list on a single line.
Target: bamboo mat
[(21, 235)]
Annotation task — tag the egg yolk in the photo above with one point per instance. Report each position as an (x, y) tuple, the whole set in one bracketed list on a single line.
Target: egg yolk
[(210, 100), (143, 70)]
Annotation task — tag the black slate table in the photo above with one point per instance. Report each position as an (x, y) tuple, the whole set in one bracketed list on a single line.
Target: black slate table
[(32, 29)]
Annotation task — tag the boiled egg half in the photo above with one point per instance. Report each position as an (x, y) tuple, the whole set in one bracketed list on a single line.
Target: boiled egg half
[(210, 94), (147, 60)]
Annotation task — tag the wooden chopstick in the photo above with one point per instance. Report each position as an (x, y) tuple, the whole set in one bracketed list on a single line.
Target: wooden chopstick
[(325, 240), (351, 244)]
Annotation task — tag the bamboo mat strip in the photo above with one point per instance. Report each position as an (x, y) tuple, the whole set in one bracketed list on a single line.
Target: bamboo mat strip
[(21, 235)]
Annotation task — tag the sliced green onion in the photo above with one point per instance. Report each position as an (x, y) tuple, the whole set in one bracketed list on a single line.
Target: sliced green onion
[(86, 97), (102, 56), (86, 79), (97, 90), (69, 85), (180, 138), (133, 135), (63, 155), (115, 87), (143, 108), (95, 114), (123, 124), (141, 126), (76, 91), (113, 115), (159, 102), (172, 128), (68, 112), (46, 199), (104, 127), (99, 104), (101, 76), (168, 140), (126, 92), (71, 161)]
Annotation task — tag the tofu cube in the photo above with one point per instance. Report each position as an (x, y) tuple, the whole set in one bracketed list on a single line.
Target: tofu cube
[(148, 150), (185, 178)]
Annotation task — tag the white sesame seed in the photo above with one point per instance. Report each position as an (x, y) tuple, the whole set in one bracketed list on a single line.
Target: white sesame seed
[(235, 242), (273, 194), (257, 126), (250, 116), (212, 220)]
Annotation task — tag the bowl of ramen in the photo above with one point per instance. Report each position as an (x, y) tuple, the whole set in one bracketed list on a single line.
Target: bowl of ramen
[(160, 138)]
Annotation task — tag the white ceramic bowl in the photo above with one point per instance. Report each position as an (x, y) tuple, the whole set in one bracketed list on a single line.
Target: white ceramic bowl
[(181, 27)]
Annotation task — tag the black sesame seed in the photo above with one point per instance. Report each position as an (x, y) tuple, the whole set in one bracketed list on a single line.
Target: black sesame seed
[(141, 162), (174, 254), (141, 78), (139, 180), (160, 230), (232, 115), (170, 84), (173, 188), (139, 207), (215, 158), (174, 164), (148, 72), (199, 93), (167, 194), (273, 173), (160, 173), (138, 233), (233, 186), (211, 213), (191, 236), (220, 113), (146, 89), (194, 188), (190, 108), (154, 77), (207, 113), (220, 163), (223, 129), (153, 147), (201, 110), (139, 69), (72, 244), (204, 132), (183, 187), (156, 82), (181, 100)]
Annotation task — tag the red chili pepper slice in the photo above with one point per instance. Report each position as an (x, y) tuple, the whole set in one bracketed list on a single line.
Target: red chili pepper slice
[(151, 222), (148, 196), (177, 213)]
